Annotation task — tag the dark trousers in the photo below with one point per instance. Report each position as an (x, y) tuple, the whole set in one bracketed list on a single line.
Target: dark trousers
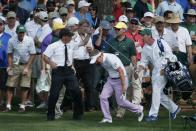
[(84, 72), (60, 76)]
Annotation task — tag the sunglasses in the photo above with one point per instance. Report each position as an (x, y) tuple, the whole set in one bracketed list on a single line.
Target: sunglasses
[(112, 21), (116, 29), (63, 15), (134, 23)]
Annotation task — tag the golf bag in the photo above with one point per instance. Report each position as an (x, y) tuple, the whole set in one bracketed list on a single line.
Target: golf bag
[(179, 78)]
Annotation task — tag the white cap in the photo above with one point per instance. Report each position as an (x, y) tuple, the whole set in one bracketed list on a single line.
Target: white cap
[(123, 18), (72, 21), (149, 14), (70, 2), (43, 15), (83, 3), (94, 58)]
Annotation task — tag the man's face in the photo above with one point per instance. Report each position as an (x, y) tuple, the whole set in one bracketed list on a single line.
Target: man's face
[(1, 27), (99, 59), (84, 28), (105, 32), (133, 26), (66, 39), (21, 36), (159, 26), (191, 19), (11, 21), (174, 26), (71, 8), (119, 32), (148, 20)]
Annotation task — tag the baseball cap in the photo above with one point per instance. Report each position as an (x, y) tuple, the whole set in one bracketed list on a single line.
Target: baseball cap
[(123, 18), (158, 19), (146, 32), (105, 25), (43, 15), (53, 15), (110, 18), (63, 11), (70, 2), (57, 24), (83, 3), (121, 25), (11, 14), (20, 28), (94, 55), (148, 14), (134, 21), (72, 21)]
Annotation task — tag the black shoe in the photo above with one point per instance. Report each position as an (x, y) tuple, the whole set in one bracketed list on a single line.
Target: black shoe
[(77, 117), (50, 118)]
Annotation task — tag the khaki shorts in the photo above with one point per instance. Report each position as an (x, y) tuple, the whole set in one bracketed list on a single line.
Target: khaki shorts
[(18, 79)]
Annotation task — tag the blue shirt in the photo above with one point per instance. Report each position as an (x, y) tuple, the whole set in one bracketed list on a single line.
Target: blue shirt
[(184, 4), (104, 45), (174, 7), (3, 50), (86, 16)]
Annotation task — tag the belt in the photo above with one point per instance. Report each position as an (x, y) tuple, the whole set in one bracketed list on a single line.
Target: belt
[(22, 63), (82, 60), (115, 78)]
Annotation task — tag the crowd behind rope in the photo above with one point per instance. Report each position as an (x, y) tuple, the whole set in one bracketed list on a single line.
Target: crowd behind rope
[(71, 54)]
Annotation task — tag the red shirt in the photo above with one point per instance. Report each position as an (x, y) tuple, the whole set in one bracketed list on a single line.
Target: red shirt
[(136, 38), (117, 11)]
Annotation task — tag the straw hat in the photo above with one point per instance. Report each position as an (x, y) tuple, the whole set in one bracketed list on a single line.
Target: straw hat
[(191, 12), (174, 20)]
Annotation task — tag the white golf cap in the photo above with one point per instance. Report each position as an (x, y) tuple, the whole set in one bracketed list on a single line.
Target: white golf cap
[(123, 18), (72, 21), (149, 14), (94, 55), (70, 2), (43, 15), (83, 3)]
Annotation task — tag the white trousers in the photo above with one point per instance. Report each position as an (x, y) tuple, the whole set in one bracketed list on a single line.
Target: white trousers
[(158, 96)]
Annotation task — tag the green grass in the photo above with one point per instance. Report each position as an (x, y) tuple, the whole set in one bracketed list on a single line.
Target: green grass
[(36, 121)]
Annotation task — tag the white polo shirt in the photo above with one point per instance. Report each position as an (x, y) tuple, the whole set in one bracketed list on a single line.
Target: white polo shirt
[(152, 54), (43, 32), (56, 52), (167, 36), (182, 38), (32, 28), (81, 52), (12, 31), (111, 63), (21, 50)]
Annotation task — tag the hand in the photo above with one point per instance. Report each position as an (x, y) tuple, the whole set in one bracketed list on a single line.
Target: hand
[(136, 75), (10, 71), (161, 72), (89, 49), (90, 31), (25, 71), (53, 65), (123, 96), (193, 37), (100, 30), (43, 72)]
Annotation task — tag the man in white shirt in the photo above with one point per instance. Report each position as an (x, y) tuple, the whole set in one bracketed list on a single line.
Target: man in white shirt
[(21, 54), (181, 43), (117, 82), (169, 5), (59, 56), (157, 52), (84, 70), (12, 23)]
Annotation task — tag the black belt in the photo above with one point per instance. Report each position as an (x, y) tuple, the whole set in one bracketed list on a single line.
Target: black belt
[(115, 78), (82, 60), (22, 63)]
